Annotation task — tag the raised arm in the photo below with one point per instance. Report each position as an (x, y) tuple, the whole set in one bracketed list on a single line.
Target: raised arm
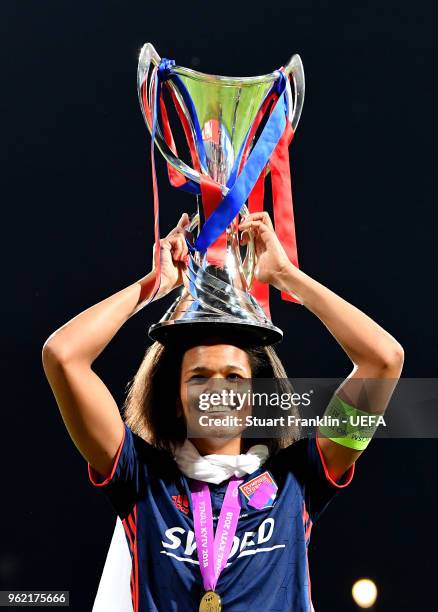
[(88, 409), (377, 357)]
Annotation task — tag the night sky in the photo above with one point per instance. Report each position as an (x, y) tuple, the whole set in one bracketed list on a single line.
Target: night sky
[(77, 196)]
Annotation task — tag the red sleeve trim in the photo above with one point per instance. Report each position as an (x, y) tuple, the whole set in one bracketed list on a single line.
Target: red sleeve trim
[(348, 474), (94, 475)]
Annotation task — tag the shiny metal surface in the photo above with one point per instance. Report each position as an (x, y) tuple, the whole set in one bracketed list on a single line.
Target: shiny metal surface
[(218, 295), (206, 86)]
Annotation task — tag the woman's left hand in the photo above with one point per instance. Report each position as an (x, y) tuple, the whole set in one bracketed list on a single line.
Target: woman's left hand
[(272, 262)]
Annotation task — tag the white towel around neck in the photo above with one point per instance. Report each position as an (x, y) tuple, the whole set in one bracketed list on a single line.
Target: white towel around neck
[(218, 468)]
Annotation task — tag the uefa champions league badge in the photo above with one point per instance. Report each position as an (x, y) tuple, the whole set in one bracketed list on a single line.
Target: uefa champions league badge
[(260, 491)]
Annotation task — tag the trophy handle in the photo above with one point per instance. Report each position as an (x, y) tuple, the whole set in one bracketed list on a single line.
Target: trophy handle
[(148, 58), (295, 69)]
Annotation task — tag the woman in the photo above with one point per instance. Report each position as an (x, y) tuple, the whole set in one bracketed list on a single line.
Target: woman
[(157, 481)]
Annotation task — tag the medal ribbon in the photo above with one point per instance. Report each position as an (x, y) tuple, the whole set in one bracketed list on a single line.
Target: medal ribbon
[(214, 550)]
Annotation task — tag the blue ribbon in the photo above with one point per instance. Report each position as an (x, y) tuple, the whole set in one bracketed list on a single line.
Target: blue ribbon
[(165, 73), (236, 164), (194, 117), (240, 187), (239, 192)]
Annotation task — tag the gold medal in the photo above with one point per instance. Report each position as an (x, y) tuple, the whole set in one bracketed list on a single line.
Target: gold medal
[(210, 602)]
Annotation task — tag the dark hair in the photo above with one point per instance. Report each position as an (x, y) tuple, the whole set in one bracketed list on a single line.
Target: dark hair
[(150, 408)]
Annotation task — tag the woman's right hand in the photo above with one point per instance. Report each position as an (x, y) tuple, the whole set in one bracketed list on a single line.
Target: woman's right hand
[(173, 257)]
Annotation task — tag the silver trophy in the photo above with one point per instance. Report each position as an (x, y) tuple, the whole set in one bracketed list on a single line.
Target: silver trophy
[(219, 115)]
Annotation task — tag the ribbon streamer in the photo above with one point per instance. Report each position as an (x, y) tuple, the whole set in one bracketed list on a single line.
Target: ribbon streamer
[(246, 180)]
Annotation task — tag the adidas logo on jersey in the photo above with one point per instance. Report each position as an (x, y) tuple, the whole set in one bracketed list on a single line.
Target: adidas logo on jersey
[(181, 502)]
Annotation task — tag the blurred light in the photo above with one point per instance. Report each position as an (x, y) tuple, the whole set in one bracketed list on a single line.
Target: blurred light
[(364, 592)]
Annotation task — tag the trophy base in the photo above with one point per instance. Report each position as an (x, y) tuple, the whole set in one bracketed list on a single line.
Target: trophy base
[(211, 305), (244, 333)]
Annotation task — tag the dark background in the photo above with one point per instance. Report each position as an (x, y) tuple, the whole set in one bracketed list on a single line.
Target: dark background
[(78, 201)]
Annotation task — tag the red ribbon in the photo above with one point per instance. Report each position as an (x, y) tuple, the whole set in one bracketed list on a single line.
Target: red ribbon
[(211, 194), (176, 178), (284, 221), (149, 290)]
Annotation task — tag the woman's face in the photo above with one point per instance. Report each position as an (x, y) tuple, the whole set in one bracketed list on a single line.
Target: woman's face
[(212, 368)]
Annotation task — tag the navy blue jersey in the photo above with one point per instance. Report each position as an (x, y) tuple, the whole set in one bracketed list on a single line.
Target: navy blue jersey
[(268, 565)]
